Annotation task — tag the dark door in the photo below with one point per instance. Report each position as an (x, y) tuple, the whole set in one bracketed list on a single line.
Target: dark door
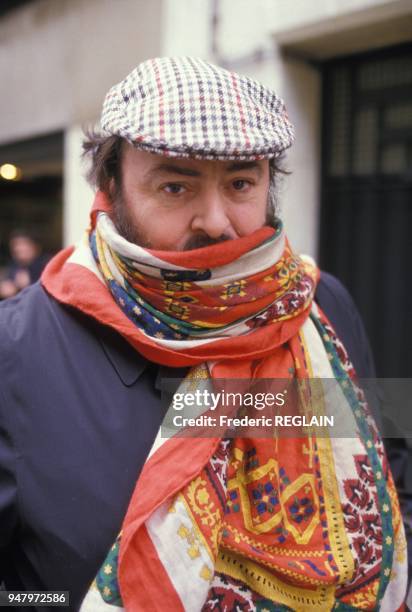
[(366, 213)]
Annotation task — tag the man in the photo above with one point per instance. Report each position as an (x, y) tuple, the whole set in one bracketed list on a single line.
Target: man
[(186, 271)]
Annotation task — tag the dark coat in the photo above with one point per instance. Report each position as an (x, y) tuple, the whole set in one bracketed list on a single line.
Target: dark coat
[(79, 409)]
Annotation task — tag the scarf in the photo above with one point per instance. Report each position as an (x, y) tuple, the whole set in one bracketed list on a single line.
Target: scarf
[(276, 523)]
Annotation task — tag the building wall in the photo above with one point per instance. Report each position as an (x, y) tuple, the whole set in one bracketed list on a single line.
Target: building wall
[(58, 59), (339, 13)]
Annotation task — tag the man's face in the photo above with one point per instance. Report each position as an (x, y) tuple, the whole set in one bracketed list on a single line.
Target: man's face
[(23, 250), (182, 204)]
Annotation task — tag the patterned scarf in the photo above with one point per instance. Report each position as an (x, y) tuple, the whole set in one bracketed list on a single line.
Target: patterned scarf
[(249, 523)]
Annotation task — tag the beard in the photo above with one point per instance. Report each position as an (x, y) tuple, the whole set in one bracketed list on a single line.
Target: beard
[(125, 224), (127, 228)]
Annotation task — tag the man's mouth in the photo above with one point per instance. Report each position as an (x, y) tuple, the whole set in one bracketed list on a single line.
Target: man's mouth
[(202, 240)]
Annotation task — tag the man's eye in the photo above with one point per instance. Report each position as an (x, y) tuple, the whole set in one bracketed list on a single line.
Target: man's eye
[(240, 185), (174, 188)]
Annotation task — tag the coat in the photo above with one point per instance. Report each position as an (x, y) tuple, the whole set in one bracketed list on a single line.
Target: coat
[(79, 410)]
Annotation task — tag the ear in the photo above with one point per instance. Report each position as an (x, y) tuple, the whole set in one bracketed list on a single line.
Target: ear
[(111, 189), (112, 194)]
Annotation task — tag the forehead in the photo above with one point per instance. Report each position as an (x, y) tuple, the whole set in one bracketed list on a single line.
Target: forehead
[(152, 165), (22, 241)]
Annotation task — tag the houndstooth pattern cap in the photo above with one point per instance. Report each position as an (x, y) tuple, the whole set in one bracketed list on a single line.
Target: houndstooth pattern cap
[(186, 107)]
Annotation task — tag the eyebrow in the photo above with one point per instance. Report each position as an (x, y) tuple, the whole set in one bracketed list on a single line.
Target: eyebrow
[(164, 168), (167, 168), (244, 165)]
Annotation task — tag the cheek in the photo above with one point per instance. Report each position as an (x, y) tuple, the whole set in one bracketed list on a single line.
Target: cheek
[(164, 227), (165, 218), (248, 217)]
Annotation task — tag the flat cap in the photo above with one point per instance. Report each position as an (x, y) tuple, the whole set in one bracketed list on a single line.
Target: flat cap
[(186, 107)]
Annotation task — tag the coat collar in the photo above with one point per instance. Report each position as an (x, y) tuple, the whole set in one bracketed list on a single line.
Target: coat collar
[(164, 372), (127, 362)]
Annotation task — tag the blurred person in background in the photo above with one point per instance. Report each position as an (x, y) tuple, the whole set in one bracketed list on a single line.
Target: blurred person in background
[(26, 264)]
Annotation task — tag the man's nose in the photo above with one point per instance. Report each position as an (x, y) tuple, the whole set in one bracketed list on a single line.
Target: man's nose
[(210, 215)]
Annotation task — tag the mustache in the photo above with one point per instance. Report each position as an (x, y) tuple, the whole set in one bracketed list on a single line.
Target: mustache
[(203, 240)]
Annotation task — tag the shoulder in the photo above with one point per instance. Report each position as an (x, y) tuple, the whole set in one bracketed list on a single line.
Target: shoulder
[(21, 315), (37, 332), (23, 301), (337, 304), (333, 295)]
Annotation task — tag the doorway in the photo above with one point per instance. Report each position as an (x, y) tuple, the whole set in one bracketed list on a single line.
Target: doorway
[(366, 206)]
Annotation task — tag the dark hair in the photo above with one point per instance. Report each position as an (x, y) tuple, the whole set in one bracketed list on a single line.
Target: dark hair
[(105, 153), (22, 232)]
